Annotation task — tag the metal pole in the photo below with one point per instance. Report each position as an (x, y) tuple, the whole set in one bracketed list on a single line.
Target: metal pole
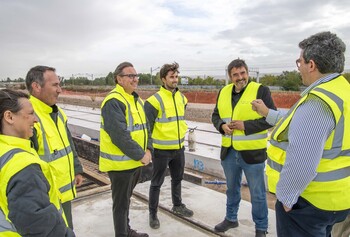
[(151, 75)]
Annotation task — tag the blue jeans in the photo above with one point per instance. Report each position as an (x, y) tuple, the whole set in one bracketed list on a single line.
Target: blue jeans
[(233, 165)]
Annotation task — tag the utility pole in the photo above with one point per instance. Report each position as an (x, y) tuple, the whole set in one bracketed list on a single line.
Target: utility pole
[(152, 70), (226, 77), (256, 70)]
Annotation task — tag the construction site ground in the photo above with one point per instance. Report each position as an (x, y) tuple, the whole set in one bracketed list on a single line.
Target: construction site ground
[(208, 215)]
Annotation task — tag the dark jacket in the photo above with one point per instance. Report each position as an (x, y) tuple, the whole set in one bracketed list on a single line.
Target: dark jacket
[(251, 126), (30, 209)]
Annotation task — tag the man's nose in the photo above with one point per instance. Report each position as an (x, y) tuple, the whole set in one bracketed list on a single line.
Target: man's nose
[(36, 119)]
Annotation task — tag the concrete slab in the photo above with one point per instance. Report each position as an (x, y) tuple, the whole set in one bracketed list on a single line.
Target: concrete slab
[(93, 216)]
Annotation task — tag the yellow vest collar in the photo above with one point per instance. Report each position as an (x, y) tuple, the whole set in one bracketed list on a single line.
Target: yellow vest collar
[(17, 142), (167, 92), (41, 106), (121, 90)]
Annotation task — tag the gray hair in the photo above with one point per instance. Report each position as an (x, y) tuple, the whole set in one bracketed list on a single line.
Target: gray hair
[(118, 71), (326, 50), (36, 74), (237, 63)]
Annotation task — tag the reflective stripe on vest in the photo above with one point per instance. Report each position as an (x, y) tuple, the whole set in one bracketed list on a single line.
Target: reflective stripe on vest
[(164, 119), (6, 226), (320, 177), (131, 128), (114, 157), (8, 156), (173, 142), (67, 187), (249, 137)]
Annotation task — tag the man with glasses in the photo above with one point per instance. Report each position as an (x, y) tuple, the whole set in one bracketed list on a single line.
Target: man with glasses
[(243, 146), (309, 157), (125, 144), (166, 113)]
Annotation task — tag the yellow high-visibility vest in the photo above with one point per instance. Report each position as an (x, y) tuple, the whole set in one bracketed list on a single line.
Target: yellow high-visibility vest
[(111, 156), (170, 126), (242, 111), (55, 148), (330, 188), (15, 155)]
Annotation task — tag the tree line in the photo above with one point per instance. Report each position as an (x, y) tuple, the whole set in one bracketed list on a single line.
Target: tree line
[(287, 80)]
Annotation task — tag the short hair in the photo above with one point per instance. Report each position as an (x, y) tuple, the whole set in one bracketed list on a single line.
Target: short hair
[(36, 74), (9, 100), (174, 67), (326, 50), (119, 70), (237, 63)]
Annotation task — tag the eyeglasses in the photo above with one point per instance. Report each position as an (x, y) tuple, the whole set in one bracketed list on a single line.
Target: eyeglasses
[(298, 62), (131, 76)]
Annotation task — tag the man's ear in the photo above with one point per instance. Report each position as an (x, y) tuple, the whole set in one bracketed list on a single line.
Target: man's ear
[(312, 65), (36, 87), (118, 80)]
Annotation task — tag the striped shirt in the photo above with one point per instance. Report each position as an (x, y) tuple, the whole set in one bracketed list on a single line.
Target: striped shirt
[(310, 127)]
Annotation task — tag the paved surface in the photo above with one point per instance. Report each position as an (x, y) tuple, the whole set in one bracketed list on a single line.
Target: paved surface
[(93, 216)]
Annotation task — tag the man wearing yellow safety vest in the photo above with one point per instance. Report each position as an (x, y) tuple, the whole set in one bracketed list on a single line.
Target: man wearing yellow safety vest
[(243, 147), (309, 156), (165, 111), (125, 144), (29, 199), (52, 138)]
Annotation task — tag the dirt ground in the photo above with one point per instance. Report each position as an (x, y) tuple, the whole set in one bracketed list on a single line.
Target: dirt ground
[(282, 99)]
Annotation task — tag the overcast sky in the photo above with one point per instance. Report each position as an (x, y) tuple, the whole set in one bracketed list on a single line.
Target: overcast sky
[(203, 36)]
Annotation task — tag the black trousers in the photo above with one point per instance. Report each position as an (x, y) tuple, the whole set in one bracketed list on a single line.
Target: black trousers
[(175, 159), (122, 184), (67, 209)]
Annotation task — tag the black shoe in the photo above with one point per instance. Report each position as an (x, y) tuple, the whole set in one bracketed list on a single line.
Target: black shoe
[(260, 233), (182, 210), (226, 225), (133, 233), (154, 221)]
